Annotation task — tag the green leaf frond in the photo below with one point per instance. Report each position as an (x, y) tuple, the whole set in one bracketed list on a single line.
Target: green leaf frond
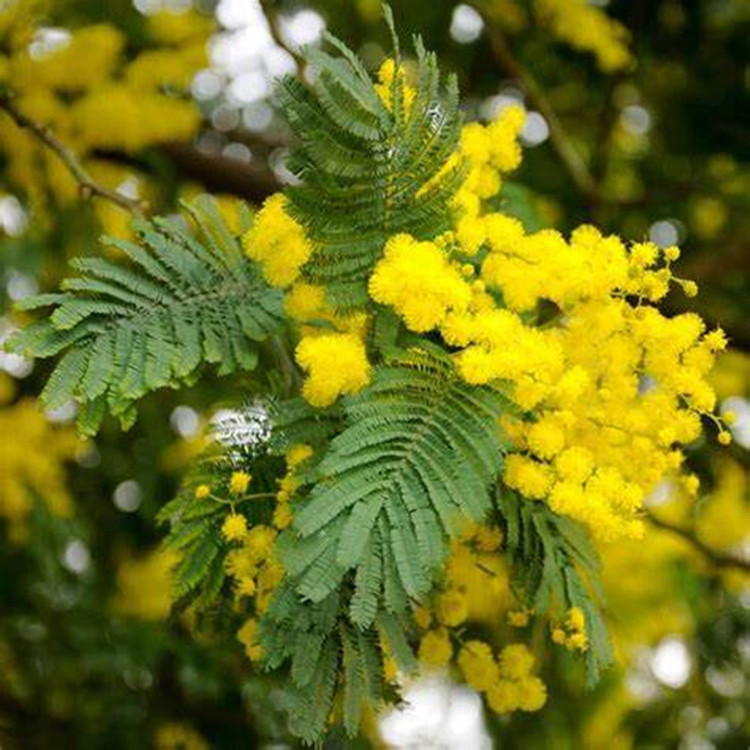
[(331, 662), (368, 171), (555, 567), (186, 298), (415, 461)]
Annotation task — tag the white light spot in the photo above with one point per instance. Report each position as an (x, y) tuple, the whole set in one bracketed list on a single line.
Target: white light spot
[(304, 27), (466, 24), (63, 414), (238, 152), (493, 105), (664, 233), (127, 496), (76, 557), (237, 14), (670, 662), (207, 85), (13, 217), (225, 118), (740, 407), (48, 40), (20, 285), (250, 87), (535, 129), (257, 117), (437, 714), (662, 493), (636, 119), (185, 420)]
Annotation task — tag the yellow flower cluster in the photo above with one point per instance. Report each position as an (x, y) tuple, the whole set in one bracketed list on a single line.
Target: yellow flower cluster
[(277, 242), (94, 97), (490, 151), (295, 457), (588, 29), (234, 528), (306, 304), (384, 87), (508, 681), (144, 585), (248, 637), (417, 279), (571, 633), (337, 364), (474, 588), (32, 465), (610, 387), (253, 565)]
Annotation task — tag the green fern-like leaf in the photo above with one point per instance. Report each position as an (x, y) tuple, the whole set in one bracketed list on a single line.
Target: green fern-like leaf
[(555, 568), (127, 330), (416, 460), (368, 170)]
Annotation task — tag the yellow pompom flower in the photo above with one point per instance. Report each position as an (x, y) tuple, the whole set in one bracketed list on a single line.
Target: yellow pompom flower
[(435, 649), (239, 482), (452, 608), (234, 528), (202, 491), (478, 665), (336, 364), (277, 242), (531, 694), (417, 279), (516, 661), (248, 637)]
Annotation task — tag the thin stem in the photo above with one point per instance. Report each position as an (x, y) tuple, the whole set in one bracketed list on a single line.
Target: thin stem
[(87, 185), (719, 558), (568, 154)]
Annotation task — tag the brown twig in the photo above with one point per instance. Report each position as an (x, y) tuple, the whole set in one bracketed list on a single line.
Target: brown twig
[(87, 185), (559, 138), (717, 557)]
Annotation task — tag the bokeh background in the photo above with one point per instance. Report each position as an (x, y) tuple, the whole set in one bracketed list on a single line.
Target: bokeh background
[(637, 121)]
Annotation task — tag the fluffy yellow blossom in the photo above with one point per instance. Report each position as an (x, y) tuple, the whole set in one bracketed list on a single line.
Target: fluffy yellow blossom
[(145, 585), (298, 454), (234, 528), (571, 633), (518, 618), (417, 279), (488, 151), (202, 491), (452, 608), (336, 364), (478, 665), (529, 477), (589, 29), (248, 637), (239, 482), (384, 87), (516, 661), (32, 465), (306, 303), (277, 242), (435, 649)]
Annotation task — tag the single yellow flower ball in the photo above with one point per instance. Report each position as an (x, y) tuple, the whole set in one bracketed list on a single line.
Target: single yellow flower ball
[(725, 438), (239, 482), (234, 528)]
